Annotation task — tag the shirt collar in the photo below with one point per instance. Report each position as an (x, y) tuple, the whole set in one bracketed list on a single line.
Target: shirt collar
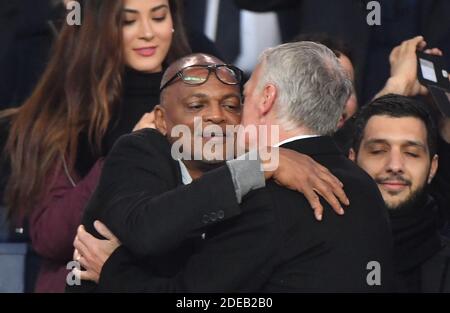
[(185, 176), (295, 138)]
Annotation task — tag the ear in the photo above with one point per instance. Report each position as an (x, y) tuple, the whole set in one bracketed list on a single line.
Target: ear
[(341, 121), (269, 97), (352, 155), (433, 169), (160, 121)]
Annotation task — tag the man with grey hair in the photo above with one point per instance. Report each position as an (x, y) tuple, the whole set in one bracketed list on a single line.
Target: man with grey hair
[(304, 86), (276, 245)]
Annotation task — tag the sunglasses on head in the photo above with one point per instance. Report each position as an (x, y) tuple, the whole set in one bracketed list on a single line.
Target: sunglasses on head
[(199, 74)]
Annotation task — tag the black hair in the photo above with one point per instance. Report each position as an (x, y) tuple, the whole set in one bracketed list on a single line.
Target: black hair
[(396, 106)]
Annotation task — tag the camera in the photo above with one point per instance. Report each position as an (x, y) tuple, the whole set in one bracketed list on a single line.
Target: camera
[(432, 73)]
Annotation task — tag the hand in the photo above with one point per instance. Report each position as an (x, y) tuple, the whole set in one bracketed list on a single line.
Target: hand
[(403, 60), (92, 253), (147, 121), (301, 173)]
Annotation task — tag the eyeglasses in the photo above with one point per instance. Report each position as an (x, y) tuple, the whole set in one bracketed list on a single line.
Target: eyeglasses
[(199, 74)]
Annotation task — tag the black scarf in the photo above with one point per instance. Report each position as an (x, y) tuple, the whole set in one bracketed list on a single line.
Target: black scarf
[(139, 96), (415, 232)]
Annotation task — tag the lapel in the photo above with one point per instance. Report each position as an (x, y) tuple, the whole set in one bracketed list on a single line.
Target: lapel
[(178, 177), (159, 142)]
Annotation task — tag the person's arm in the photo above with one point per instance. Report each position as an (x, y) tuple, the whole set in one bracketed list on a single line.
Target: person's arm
[(135, 197), (403, 62), (54, 220), (238, 256), (139, 189)]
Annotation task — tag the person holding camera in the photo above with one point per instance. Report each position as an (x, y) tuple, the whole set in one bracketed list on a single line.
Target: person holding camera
[(404, 81)]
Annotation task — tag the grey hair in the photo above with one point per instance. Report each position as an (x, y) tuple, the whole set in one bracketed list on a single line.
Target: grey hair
[(312, 86)]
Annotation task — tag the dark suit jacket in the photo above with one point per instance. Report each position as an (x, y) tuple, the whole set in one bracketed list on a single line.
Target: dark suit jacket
[(140, 187), (274, 245)]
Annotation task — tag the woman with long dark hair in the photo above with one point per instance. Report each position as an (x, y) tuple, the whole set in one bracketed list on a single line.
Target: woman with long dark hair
[(103, 76)]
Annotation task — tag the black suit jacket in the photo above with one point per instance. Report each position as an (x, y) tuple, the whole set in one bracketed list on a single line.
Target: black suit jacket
[(140, 197), (275, 244)]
